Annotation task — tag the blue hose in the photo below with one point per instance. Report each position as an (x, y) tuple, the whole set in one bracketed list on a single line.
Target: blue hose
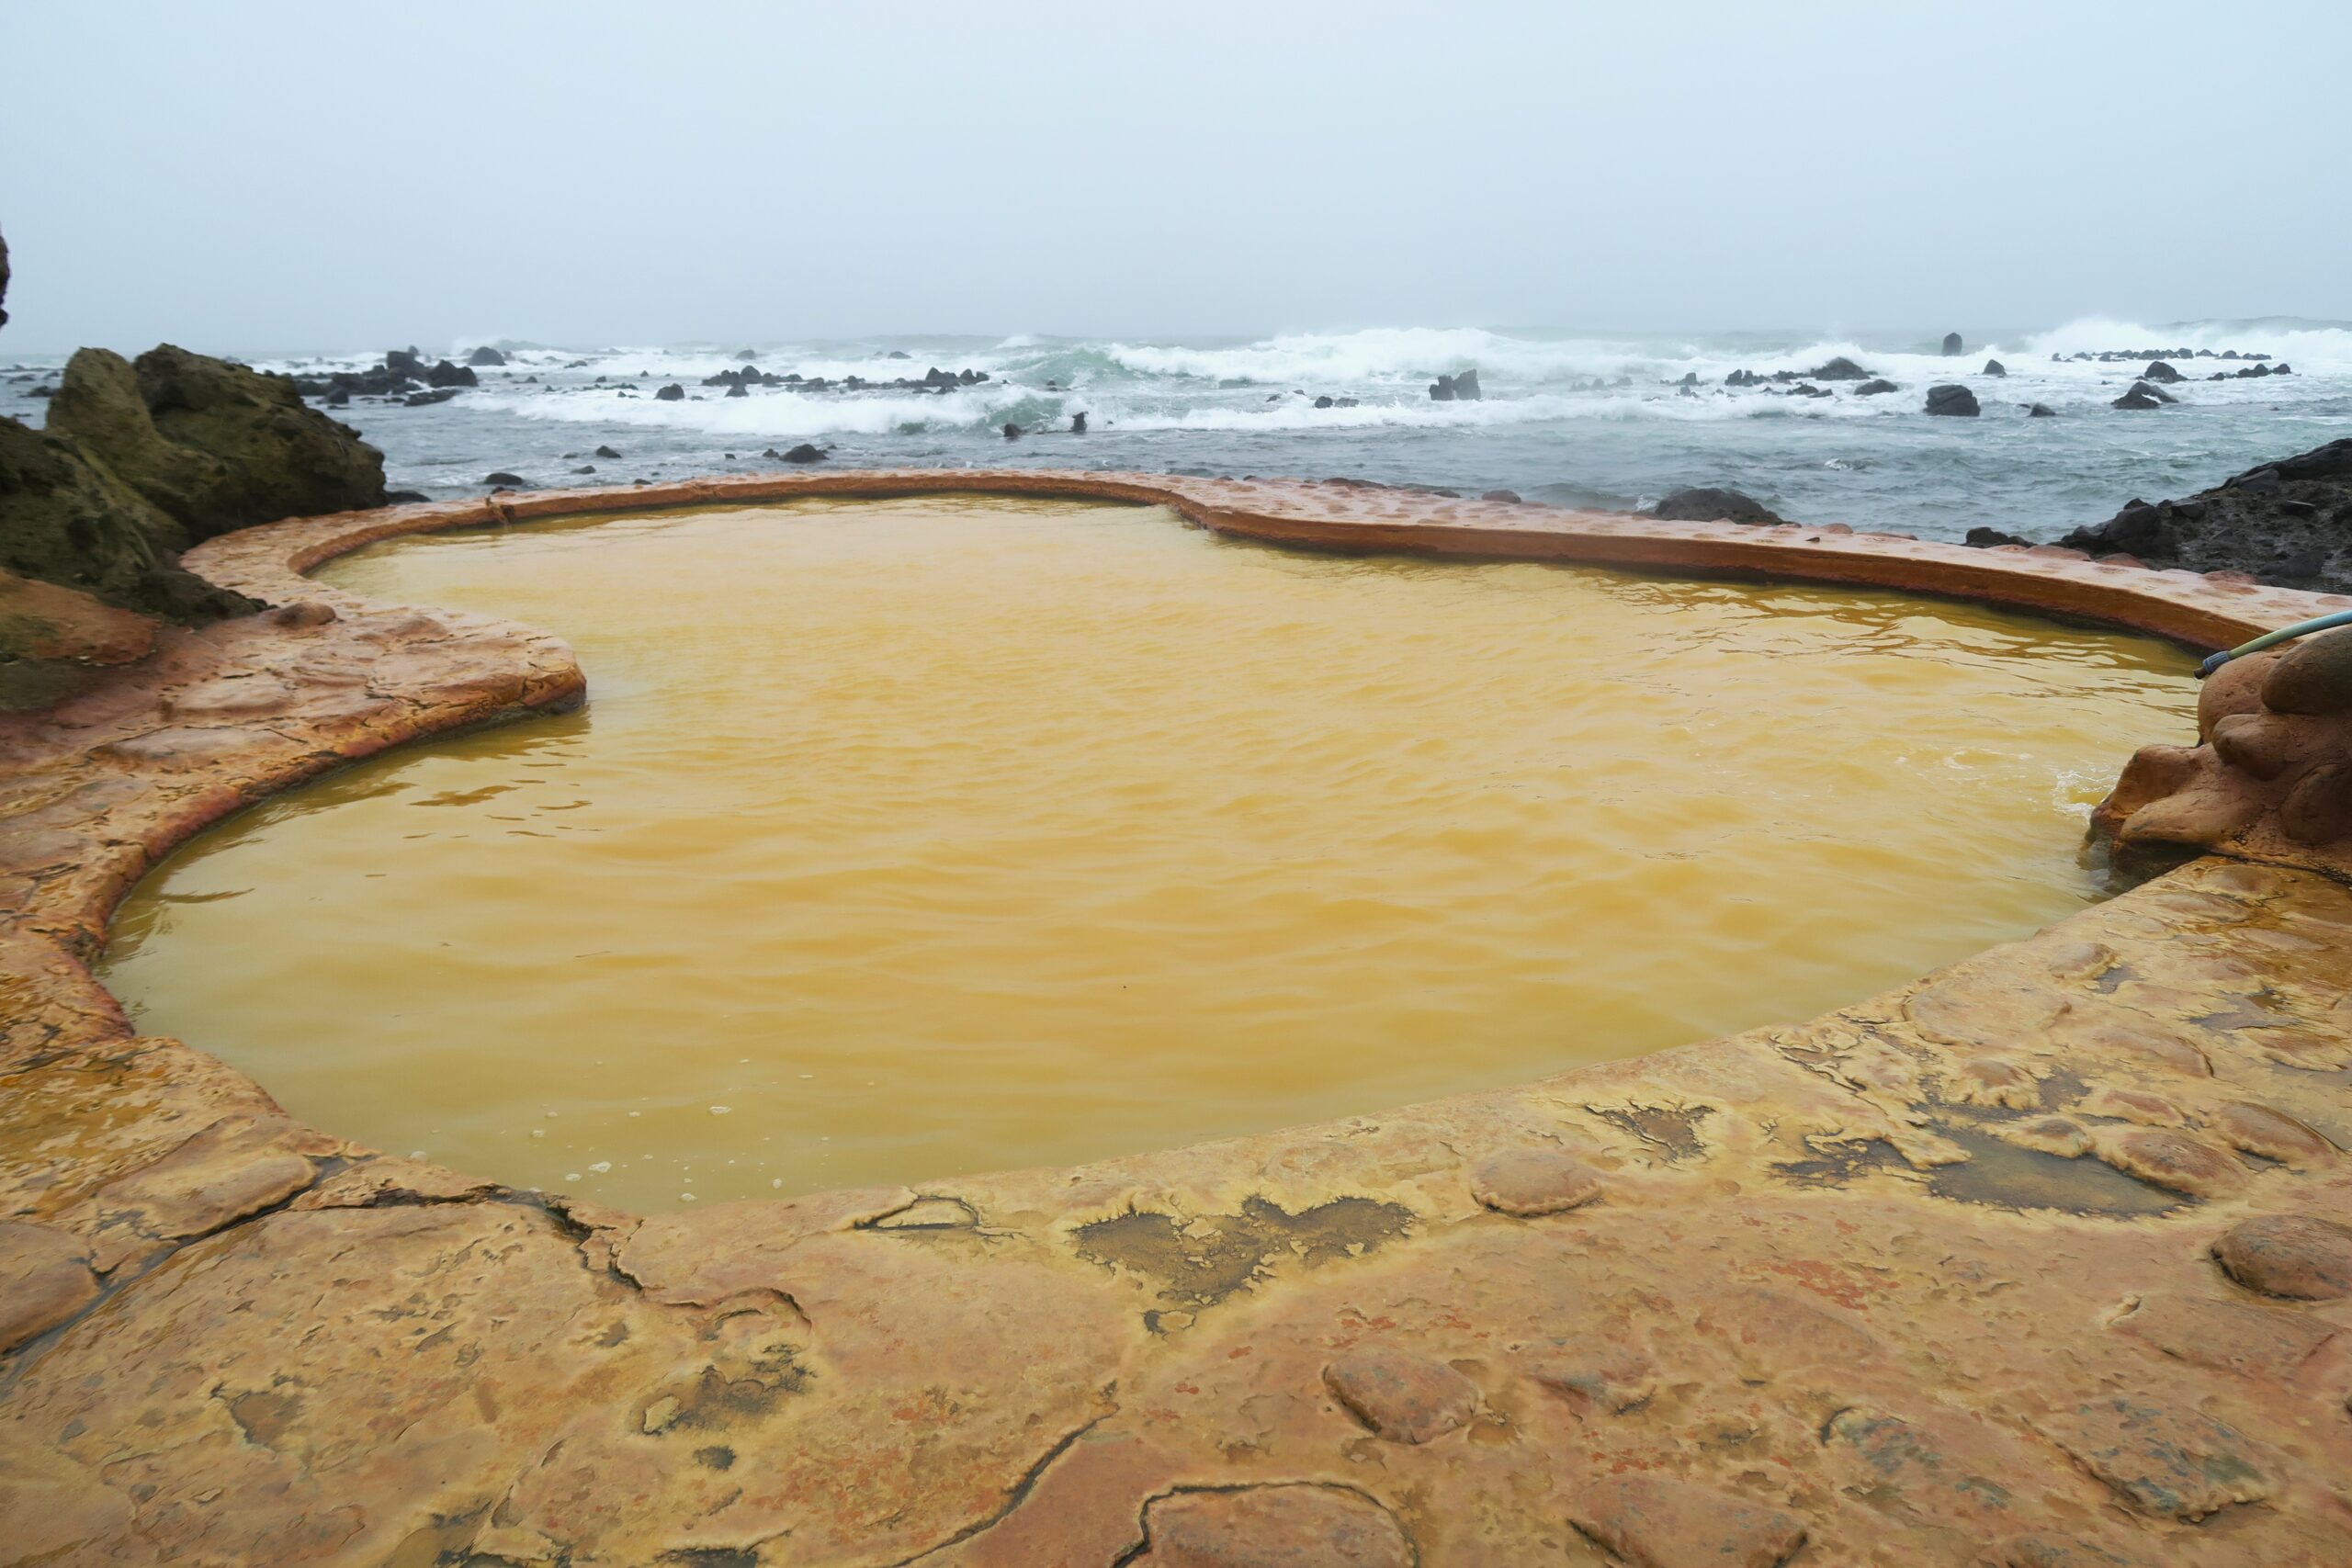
[(2272, 639)]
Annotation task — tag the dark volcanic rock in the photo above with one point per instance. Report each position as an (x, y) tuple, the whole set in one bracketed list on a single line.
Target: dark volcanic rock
[(2158, 370), (405, 362), (2041, 411), (1994, 368), (2143, 396), (447, 375), (1839, 369), (804, 453), (505, 481), (1951, 343), (485, 355), (604, 452), (1951, 397), (1875, 388), (1986, 538), (1451, 388), (1707, 505), (671, 393), (2289, 522)]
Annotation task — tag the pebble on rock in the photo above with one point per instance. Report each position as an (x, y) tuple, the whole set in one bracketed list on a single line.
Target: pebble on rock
[(1656, 1521), (1530, 1182), (1401, 1396), (2297, 1256)]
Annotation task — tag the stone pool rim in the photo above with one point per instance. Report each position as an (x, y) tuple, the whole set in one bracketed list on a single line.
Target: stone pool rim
[(153, 1150)]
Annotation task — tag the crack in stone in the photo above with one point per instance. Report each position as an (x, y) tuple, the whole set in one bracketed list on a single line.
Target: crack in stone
[(1143, 1511), (1020, 1491)]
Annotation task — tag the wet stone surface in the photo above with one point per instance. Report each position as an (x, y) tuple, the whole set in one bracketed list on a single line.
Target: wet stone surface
[(1847, 1298)]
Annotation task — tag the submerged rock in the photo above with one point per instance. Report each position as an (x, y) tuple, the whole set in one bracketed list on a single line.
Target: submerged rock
[(1876, 387), (504, 480), (1708, 505), (2144, 396)]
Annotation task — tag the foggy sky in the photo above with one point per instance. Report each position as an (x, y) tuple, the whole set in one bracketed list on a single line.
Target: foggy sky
[(249, 177)]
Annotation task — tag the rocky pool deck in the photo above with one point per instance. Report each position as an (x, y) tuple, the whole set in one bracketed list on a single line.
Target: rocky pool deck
[(2039, 1261)]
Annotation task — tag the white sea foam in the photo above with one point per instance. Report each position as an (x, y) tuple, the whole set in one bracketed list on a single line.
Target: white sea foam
[(2308, 345), (782, 414), (1383, 354)]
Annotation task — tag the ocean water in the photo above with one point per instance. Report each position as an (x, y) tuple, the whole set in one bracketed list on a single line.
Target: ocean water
[(1575, 419)]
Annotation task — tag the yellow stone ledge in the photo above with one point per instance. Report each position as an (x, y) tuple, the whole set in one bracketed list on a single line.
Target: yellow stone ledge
[(2039, 1261)]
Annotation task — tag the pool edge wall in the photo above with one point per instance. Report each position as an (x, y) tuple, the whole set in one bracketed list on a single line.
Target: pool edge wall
[(1770, 1289)]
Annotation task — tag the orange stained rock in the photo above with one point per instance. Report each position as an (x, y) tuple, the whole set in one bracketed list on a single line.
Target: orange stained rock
[(1834, 1305)]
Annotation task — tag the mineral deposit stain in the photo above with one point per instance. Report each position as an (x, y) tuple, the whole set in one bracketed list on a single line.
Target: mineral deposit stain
[(1198, 1263), (2003, 1174)]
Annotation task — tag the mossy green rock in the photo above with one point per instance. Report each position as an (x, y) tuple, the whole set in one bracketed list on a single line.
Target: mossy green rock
[(214, 446), (66, 519)]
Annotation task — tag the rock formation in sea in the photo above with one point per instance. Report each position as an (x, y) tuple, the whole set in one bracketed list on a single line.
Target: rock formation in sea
[(1463, 387), (2288, 522), (1951, 397), (1952, 345)]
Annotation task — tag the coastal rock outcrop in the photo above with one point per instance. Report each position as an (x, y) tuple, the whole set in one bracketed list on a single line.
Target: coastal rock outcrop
[(1953, 399), (1463, 387), (1952, 345), (483, 356), (139, 461), (2288, 522), (213, 445), (1703, 505), (67, 519)]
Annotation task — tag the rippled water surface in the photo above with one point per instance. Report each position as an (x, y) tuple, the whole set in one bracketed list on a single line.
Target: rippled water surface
[(902, 838)]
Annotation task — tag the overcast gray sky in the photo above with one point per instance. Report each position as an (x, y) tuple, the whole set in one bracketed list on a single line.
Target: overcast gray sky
[(245, 177)]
